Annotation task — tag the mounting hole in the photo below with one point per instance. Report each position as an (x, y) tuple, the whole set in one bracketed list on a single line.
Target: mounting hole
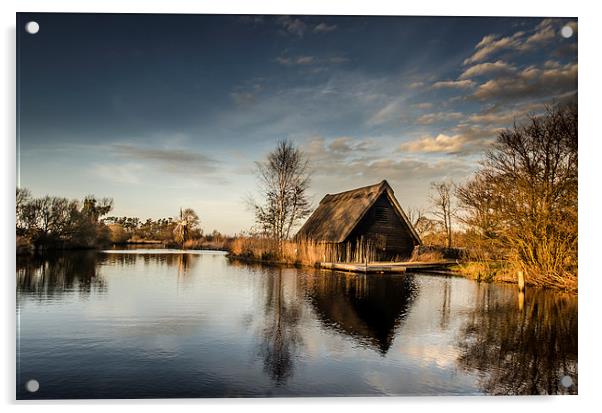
[(32, 386), (566, 31), (566, 381), (32, 27)]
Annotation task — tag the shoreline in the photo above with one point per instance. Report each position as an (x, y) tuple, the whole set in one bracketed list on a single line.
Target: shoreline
[(437, 272), (446, 272), (22, 252)]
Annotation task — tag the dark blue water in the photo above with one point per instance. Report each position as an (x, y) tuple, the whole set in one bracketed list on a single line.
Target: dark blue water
[(141, 324)]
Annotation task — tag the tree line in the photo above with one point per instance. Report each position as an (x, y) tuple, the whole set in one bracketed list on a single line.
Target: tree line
[(51, 222), (178, 229), (181, 231)]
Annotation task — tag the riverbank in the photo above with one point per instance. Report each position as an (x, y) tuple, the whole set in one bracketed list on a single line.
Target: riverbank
[(500, 273), (504, 272), (311, 255)]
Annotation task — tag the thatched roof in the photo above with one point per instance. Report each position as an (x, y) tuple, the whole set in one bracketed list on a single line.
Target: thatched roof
[(338, 214)]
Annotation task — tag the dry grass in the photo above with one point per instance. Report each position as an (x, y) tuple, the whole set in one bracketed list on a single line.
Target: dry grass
[(304, 252), (487, 271), (507, 271), (428, 256), (222, 244)]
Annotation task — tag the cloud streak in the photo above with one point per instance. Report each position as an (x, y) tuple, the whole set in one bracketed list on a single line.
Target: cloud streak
[(176, 161), (520, 42), (488, 69), (325, 28), (453, 84)]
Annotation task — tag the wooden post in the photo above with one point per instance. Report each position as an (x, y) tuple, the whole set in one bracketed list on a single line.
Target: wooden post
[(521, 281), (521, 300)]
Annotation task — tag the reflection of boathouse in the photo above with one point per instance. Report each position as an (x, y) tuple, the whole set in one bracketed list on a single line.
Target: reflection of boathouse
[(368, 217), (362, 306)]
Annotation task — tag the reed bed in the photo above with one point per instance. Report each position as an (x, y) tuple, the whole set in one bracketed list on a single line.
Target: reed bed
[(301, 252)]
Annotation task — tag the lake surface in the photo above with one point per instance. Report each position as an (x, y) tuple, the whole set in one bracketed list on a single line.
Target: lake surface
[(156, 323)]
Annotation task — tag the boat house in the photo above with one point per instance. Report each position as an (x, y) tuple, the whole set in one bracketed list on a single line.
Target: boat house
[(366, 222)]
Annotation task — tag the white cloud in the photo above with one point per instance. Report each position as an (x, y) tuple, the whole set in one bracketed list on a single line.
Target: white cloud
[(530, 82), (430, 118), (492, 44), (294, 26), (304, 60), (440, 143), (423, 105), (453, 84), (493, 118), (416, 85), (484, 69), (324, 28), (521, 41), (342, 144), (544, 32), (345, 163)]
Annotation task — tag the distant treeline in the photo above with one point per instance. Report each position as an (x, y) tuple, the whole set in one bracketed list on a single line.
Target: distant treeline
[(183, 231), (52, 222)]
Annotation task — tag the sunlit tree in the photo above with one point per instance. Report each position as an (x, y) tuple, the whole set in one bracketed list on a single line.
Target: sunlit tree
[(187, 222), (284, 180)]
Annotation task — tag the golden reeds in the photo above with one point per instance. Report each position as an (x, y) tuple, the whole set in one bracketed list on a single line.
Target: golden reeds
[(302, 252)]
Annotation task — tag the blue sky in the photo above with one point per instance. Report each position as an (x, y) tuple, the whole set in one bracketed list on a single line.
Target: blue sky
[(167, 111)]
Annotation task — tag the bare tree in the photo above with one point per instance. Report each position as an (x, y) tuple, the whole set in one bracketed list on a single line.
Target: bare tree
[(23, 196), (414, 214), (420, 221), (284, 179), (443, 209)]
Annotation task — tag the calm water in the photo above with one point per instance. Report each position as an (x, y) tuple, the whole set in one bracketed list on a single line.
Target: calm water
[(165, 324)]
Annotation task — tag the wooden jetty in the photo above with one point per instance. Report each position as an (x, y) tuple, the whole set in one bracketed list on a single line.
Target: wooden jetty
[(388, 267)]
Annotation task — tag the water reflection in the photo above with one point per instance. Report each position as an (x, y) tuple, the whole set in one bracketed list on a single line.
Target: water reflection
[(52, 275), (183, 262), (522, 346), (366, 307), (281, 338), (238, 328)]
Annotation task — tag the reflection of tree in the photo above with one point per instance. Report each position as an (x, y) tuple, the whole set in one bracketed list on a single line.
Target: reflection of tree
[(184, 262), (121, 260), (445, 305), (280, 335), (54, 274), (366, 307), (522, 346)]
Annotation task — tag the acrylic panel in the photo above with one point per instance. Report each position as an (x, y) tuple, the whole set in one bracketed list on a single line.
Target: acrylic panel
[(283, 206)]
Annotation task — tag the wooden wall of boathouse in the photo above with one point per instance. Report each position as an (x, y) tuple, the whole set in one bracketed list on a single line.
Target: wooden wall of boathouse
[(387, 233)]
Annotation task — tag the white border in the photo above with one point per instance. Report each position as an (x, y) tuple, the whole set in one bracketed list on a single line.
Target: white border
[(590, 174)]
